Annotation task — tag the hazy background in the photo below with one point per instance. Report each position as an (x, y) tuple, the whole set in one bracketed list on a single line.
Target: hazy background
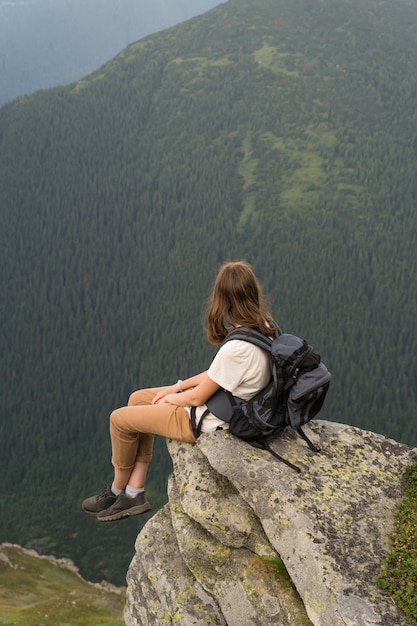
[(50, 42)]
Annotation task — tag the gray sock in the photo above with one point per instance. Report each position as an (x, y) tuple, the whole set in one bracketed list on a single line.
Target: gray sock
[(115, 490), (132, 492)]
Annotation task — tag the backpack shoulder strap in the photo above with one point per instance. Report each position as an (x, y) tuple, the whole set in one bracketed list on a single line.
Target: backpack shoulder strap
[(250, 335)]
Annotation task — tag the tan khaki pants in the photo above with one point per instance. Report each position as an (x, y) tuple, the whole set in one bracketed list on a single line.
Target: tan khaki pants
[(132, 428)]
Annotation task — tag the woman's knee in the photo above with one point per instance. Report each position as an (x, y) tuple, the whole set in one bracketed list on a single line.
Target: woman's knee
[(141, 396), (115, 418)]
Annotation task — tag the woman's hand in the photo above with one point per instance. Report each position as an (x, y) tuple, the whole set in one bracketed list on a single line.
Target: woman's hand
[(163, 392), (194, 391), (169, 398)]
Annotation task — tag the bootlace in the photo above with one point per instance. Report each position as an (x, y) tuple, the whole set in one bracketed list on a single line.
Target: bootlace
[(104, 493)]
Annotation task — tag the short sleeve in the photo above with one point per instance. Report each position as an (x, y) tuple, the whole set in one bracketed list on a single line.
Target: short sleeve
[(228, 367)]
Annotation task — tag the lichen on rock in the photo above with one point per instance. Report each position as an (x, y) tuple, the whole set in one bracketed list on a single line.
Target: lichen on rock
[(236, 517)]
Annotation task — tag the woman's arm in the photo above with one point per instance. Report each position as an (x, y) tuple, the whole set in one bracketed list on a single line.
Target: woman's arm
[(178, 387), (196, 390)]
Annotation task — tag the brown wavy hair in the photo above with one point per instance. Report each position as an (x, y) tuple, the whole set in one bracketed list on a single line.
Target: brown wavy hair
[(237, 300)]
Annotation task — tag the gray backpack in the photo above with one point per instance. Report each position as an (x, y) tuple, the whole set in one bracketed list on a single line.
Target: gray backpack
[(293, 397)]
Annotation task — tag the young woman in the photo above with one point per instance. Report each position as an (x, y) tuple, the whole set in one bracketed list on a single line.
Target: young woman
[(240, 367)]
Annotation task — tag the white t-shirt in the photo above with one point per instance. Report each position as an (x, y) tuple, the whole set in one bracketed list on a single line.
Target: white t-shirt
[(241, 368)]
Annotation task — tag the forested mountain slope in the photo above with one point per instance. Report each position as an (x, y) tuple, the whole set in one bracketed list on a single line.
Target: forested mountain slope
[(282, 133)]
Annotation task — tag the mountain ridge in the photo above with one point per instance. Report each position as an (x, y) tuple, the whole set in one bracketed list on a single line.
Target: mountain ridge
[(45, 43)]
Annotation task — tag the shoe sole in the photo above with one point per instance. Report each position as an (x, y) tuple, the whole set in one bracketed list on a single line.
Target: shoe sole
[(93, 513), (134, 510)]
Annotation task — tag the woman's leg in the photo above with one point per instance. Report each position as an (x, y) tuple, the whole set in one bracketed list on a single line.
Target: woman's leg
[(137, 476), (132, 431)]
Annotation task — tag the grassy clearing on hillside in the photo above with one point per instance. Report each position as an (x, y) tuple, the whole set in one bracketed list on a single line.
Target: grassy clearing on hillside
[(270, 57), (247, 170), (36, 591), (399, 576)]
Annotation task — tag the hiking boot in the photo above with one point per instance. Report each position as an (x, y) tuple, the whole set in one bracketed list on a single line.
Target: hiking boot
[(125, 506), (102, 501)]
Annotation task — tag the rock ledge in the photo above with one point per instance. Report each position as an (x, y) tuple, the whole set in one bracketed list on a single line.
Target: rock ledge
[(215, 554)]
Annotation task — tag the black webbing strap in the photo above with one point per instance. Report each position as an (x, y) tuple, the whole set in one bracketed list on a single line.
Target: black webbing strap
[(278, 457), (308, 441), (196, 428)]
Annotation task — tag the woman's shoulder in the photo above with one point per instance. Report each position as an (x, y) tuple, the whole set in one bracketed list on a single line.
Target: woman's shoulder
[(239, 349)]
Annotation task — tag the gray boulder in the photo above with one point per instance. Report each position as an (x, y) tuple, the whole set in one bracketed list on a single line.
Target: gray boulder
[(246, 540)]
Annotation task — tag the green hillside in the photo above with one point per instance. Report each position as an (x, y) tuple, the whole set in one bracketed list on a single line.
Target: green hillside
[(35, 590), (282, 133)]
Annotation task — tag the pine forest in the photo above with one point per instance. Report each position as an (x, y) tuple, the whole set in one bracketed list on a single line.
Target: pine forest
[(282, 133)]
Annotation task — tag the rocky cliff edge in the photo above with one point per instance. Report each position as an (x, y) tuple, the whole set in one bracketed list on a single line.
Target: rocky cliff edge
[(245, 540)]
